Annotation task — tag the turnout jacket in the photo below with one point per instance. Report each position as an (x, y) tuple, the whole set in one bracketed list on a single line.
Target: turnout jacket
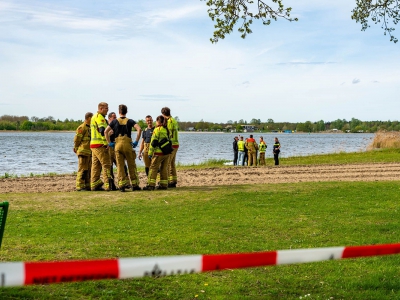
[(159, 133), (173, 127), (82, 140), (97, 126)]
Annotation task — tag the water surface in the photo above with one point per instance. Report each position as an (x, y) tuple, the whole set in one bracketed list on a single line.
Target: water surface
[(23, 153)]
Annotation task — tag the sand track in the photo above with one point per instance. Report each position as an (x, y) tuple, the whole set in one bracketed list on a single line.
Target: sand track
[(228, 176)]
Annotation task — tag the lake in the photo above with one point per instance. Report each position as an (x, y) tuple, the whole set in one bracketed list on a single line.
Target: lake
[(23, 153)]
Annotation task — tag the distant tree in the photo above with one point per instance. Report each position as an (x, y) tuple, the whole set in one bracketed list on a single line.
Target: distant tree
[(270, 121), (255, 121), (320, 126), (142, 124), (229, 122), (337, 124), (26, 125)]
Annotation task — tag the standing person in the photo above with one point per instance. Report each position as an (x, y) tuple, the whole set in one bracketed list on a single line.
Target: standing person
[(122, 128), (145, 145), (172, 125), (82, 150), (100, 156), (159, 159), (246, 155), (235, 150), (276, 150), (252, 147), (241, 148), (111, 117), (262, 148)]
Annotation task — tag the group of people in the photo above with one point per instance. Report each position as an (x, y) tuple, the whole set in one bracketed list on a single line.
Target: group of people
[(246, 151), (101, 143)]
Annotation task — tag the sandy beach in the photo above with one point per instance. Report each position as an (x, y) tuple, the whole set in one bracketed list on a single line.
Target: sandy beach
[(227, 176)]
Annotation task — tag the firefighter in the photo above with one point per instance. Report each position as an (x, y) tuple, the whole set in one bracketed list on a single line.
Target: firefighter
[(82, 150), (252, 148), (262, 148), (145, 145), (159, 160), (101, 162), (173, 129), (122, 128)]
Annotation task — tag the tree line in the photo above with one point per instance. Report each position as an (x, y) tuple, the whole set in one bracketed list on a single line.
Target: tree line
[(24, 123)]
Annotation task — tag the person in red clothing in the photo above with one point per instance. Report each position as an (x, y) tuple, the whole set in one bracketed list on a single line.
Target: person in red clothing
[(252, 148)]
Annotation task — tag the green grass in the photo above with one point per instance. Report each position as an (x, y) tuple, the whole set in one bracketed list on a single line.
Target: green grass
[(374, 156), (208, 220)]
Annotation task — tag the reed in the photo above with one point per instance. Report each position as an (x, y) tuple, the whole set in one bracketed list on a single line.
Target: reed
[(385, 140)]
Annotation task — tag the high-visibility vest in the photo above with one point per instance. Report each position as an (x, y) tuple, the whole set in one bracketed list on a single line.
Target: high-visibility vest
[(97, 140), (262, 147), (240, 145)]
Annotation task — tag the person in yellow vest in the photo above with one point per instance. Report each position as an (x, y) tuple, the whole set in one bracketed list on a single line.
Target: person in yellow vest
[(173, 127), (82, 150), (122, 128), (262, 147), (159, 153), (241, 147), (101, 162), (145, 145), (252, 148)]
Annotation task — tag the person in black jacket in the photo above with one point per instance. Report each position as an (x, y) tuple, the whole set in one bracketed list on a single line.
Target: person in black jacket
[(235, 150), (276, 150)]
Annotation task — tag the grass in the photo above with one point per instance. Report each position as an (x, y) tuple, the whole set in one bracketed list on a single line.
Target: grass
[(208, 220)]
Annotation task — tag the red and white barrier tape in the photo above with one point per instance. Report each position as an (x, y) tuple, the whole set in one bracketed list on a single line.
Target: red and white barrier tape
[(20, 273)]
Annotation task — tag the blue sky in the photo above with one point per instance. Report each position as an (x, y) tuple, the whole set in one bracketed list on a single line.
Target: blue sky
[(61, 58)]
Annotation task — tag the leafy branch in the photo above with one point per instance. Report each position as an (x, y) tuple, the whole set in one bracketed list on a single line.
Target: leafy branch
[(379, 11), (227, 13)]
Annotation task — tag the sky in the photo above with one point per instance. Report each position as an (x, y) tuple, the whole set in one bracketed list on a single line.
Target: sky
[(61, 58)]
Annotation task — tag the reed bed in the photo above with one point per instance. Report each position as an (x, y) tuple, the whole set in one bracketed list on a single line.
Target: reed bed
[(385, 140)]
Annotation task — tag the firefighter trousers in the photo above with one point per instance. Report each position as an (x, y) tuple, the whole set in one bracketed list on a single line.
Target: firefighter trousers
[(159, 162), (101, 163), (124, 152), (83, 175)]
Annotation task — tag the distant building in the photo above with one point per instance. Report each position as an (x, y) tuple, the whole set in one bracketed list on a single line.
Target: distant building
[(248, 128)]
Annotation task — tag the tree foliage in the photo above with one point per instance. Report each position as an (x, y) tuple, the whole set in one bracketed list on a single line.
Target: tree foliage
[(384, 12), (228, 13)]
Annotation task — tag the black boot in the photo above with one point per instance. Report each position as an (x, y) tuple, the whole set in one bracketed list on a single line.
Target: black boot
[(148, 188)]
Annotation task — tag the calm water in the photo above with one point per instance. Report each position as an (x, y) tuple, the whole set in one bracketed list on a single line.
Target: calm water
[(22, 153)]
